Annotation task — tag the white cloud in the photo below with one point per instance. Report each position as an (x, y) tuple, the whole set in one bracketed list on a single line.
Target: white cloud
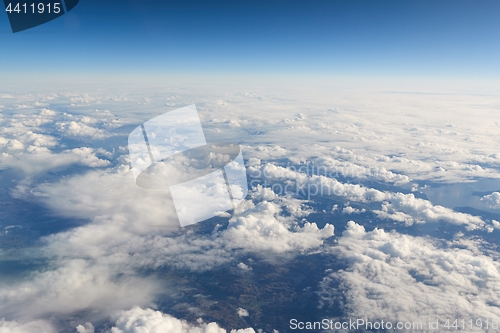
[(242, 312), (85, 328), (496, 224), (81, 129), (244, 266), (397, 277), (47, 112), (27, 138), (19, 123), (351, 210), (263, 229), (493, 199), (24, 145), (14, 144), (139, 320)]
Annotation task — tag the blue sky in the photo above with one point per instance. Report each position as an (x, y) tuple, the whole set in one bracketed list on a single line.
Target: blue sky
[(350, 38)]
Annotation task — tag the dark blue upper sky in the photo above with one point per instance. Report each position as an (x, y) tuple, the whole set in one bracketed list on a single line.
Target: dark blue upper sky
[(358, 38)]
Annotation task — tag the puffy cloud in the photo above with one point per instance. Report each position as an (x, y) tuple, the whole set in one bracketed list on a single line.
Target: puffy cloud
[(244, 266), (139, 320), (86, 328), (27, 142), (396, 277), (47, 112), (98, 126), (409, 209), (351, 210), (263, 229), (24, 145), (19, 123), (496, 224), (14, 144), (81, 129), (493, 199), (242, 312)]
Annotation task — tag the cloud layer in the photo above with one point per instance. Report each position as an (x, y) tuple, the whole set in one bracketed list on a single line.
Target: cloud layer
[(354, 140)]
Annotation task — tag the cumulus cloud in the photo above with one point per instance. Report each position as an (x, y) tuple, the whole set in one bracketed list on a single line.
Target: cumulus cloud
[(26, 146), (496, 224), (244, 266), (139, 320), (409, 209), (86, 328), (47, 112), (397, 277), (262, 228), (81, 129), (351, 210), (242, 312), (95, 125), (493, 199), (29, 139)]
